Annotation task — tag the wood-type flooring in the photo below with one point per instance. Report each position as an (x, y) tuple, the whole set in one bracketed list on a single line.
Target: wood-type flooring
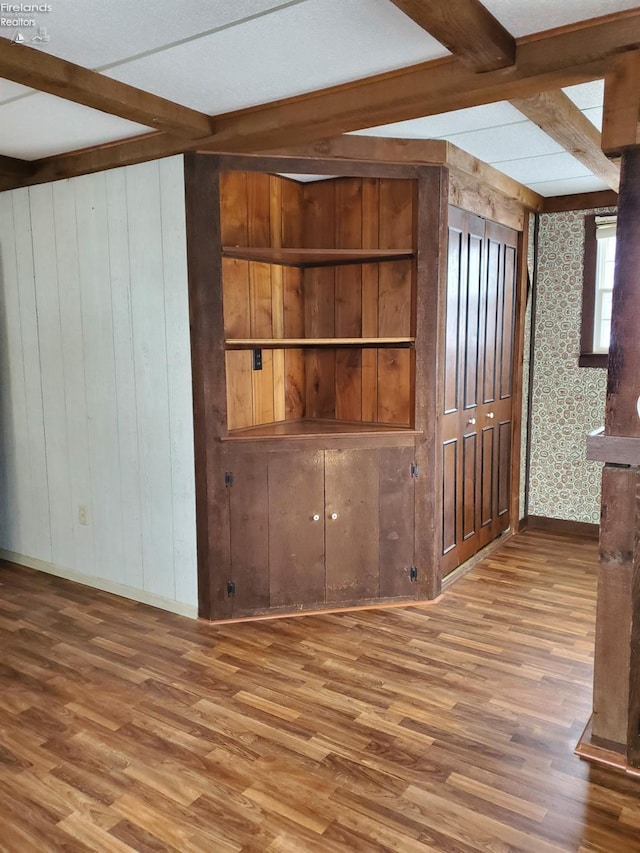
[(443, 727)]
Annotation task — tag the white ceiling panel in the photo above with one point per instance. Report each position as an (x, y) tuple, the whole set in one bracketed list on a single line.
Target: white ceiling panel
[(221, 55), (521, 17), (457, 121), (551, 167), (43, 125), (9, 90), (304, 47), (595, 116), (94, 33), (569, 186), (486, 132), (305, 179), (522, 140), (586, 95), (97, 34)]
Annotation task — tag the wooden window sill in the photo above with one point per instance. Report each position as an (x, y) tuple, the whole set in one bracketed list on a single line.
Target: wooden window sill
[(593, 359)]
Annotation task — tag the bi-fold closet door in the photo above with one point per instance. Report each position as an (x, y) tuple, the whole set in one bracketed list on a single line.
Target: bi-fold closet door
[(476, 413)]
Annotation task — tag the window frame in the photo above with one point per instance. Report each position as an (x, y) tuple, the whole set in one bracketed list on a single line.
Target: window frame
[(589, 358)]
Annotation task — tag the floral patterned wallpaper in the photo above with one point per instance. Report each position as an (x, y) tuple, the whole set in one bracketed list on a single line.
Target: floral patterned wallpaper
[(568, 400), (524, 435)]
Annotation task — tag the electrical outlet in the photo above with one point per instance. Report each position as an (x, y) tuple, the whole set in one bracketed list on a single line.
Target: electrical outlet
[(82, 514)]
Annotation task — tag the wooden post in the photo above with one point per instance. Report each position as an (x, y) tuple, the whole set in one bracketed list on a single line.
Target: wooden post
[(633, 721), (616, 702), (202, 200), (622, 415), (433, 193), (623, 380), (621, 104)]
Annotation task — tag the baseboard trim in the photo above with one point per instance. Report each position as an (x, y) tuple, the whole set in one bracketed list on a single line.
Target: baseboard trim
[(612, 759), (330, 611), (461, 570), (132, 593), (559, 525)]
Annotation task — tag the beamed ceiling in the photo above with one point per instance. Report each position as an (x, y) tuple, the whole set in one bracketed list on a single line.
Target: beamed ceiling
[(516, 84)]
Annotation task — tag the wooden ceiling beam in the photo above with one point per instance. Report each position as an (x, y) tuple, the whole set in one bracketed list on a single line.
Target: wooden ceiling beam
[(11, 167), (31, 67), (467, 29), (574, 54), (137, 149), (621, 104), (580, 201), (560, 118), (422, 151), (545, 61), (474, 36)]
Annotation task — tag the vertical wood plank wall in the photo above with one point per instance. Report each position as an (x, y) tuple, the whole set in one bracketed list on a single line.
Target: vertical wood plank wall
[(95, 381), (261, 300)]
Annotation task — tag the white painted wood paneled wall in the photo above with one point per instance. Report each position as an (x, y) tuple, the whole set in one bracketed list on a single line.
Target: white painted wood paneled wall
[(95, 383)]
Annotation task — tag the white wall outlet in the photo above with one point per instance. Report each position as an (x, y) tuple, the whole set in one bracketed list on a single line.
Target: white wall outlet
[(83, 518)]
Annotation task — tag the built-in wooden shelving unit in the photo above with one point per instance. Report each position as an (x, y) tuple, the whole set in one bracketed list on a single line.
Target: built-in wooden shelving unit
[(297, 257), (315, 369), (283, 343)]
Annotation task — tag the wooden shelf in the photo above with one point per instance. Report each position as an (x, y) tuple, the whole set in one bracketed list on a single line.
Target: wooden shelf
[(315, 257), (315, 428), (288, 343)]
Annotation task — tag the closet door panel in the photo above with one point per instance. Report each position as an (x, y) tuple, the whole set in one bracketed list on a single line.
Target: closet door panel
[(477, 382)]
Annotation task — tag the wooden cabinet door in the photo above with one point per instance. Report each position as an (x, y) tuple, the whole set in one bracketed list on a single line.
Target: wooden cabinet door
[(396, 525), (249, 532), (369, 533), (352, 524), (478, 371), (296, 528), (316, 527), (276, 515)]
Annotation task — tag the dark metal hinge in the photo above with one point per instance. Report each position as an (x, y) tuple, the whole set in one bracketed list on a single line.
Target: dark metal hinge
[(228, 478), (231, 589), (413, 573), (415, 470)]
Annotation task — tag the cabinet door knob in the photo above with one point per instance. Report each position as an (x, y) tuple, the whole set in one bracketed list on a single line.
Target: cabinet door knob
[(316, 517), (471, 421), (490, 415), (334, 515)]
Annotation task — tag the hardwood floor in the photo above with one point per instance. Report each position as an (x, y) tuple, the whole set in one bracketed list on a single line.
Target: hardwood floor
[(446, 727)]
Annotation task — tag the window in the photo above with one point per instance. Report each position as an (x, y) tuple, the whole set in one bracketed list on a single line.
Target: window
[(597, 289)]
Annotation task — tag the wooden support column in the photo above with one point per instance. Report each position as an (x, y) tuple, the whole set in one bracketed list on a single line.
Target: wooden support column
[(616, 702), (621, 104), (623, 396), (613, 615), (202, 202), (431, 238), (633, 721)]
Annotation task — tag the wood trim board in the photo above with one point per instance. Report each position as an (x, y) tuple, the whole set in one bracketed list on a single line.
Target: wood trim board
[(560, 525)]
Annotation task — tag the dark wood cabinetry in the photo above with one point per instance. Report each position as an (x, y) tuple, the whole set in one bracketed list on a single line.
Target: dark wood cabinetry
[(476, 416), (317, 323), (320, 527)]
